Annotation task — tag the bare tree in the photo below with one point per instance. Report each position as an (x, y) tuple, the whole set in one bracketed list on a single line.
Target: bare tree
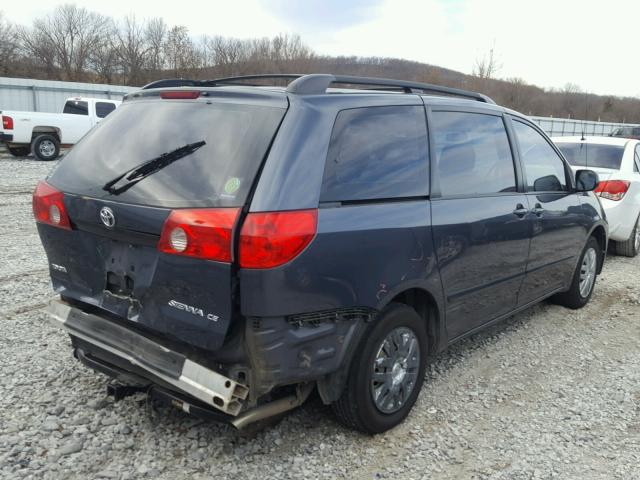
[(226, 54), (572, 99), (156, 36), (67, 38), (131, 49), (8, 45), (104, 61), (486, 66), (179, 50)]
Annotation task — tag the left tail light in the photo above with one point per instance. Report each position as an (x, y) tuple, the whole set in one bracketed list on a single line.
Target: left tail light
[(613, 189), (48, 206), (205, 233), (7, 122)]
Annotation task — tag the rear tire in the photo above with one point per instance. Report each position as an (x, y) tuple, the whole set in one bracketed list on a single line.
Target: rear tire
[(19, 151), (45, 147), (386, 373), (631, 247), (584, 278)]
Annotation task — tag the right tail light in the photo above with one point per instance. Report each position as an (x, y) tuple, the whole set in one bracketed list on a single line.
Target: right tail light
[(270, 239)]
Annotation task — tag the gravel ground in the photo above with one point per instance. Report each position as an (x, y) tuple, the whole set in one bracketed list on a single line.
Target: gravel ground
[(550, 393)]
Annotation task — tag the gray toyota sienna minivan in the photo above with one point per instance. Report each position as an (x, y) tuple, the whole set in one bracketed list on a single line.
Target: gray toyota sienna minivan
[(230, 246)]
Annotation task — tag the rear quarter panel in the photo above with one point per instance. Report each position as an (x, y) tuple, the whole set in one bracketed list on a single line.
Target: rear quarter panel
[(361, 256)]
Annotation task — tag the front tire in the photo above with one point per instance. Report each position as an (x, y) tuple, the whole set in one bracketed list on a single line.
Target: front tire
[(584, 278), (19, 151), (631, 247), (45, 147), (386, 373)]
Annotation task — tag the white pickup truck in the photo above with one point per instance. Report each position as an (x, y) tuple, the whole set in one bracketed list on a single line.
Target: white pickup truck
[(44, 133)]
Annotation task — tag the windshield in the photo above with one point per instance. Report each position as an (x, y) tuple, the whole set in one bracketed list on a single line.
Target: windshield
[(592, 155), (232, 140)]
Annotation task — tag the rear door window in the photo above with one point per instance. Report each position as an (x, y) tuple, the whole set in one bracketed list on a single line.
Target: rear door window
[(377, 153), (231, 141), (472, 154), (76, 107), (636, 158), (104, 108), (543, 167)]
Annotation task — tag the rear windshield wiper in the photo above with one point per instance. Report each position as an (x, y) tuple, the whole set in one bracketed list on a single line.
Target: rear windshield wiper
[(129, 178)]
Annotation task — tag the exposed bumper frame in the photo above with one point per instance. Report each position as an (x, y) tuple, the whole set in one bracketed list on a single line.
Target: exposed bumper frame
[(172, 367)]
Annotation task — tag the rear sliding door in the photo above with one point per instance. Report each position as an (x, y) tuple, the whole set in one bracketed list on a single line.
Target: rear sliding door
[(479, 217)]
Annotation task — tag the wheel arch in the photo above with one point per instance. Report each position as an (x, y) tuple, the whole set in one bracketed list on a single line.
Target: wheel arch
[(40, 129), (415, 295), (599, 232), (426, 305)]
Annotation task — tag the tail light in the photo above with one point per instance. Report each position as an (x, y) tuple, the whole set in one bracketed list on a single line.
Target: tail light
[(7, 122), (180, 95), (613, 189), (274, 238), (48, 206), (205, 233)]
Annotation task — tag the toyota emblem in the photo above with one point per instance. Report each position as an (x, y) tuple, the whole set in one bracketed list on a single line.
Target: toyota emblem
[(107, 217)]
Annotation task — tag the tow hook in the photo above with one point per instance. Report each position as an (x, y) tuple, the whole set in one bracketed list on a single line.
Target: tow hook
[(119, 391)]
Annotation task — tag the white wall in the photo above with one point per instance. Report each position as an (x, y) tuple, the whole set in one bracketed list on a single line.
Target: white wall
[(49, 96)]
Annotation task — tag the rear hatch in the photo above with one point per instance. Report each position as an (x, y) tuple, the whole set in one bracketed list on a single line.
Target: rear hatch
[(152, 195)]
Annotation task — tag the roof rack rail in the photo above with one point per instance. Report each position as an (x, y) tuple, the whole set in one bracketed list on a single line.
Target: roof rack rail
[(239, 80), (317, 83)]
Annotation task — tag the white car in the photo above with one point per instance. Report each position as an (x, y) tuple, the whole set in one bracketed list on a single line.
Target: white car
[(617, 162), (44, 133)]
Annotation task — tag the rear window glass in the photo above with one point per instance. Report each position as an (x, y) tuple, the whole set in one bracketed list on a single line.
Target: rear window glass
[(377, 153), (592, 155), (104, 108), (76, 107), (217, 173), (472, 154), (626, 131)]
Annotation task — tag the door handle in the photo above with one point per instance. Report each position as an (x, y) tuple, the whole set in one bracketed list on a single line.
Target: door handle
[(538, 210), (520, 211)]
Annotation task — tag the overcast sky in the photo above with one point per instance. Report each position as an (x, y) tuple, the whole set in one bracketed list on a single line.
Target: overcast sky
[(548, 43)]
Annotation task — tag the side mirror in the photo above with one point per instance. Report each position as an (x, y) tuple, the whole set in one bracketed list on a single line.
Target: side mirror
[(548, 183), (586, 180)]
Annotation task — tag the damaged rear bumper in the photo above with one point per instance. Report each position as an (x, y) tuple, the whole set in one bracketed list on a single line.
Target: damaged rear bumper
[(173, 368)]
